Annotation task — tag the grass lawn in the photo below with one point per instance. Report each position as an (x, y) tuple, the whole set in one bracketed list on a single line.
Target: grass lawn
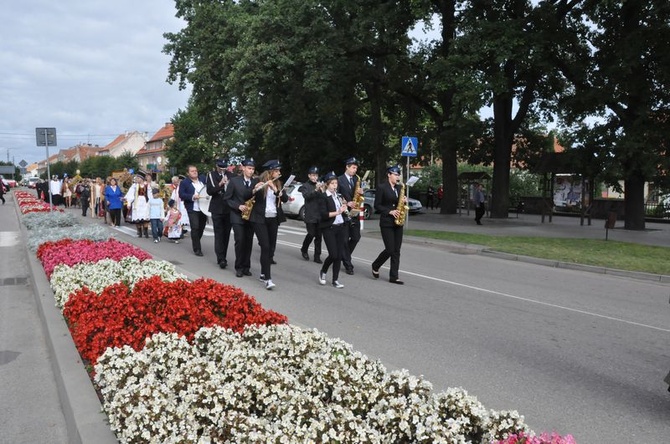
[(610, 254)]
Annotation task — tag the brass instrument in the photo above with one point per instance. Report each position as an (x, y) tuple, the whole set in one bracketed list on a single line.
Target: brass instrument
[(358, 197), (402, 207), (250, 203)]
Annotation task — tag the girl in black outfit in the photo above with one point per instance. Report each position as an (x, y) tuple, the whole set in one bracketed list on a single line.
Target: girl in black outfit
[(332, 210)]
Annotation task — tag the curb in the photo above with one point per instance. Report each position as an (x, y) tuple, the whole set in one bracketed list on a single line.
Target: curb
[(580, 267), (85, 421)]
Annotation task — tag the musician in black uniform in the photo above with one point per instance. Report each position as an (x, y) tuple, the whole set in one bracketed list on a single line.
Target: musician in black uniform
[(238, 192), (266, 216), (333, 210), (386, 203), (216, 181), (346, 184), (312, 195)]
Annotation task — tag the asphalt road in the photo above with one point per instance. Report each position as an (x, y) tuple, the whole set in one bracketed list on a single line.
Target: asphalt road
[(572, 351)]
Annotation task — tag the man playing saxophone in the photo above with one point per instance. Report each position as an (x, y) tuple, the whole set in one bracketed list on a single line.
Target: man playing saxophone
[(237, 195), (348, 186), (391, 203)]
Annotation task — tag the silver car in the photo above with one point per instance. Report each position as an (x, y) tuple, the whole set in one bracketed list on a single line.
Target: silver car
[(295, 206), (369, 204)]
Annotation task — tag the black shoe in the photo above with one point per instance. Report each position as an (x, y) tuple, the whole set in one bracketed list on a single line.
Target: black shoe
[(478, 222), (305, 255), (318, 261), (239, 273), (375, 273), (396, 281), (246, 272), (349, 271), (273, 262), (223, 264), (197, 253)]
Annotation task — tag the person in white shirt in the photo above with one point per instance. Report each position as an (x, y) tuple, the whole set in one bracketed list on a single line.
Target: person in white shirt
[(333, 211)]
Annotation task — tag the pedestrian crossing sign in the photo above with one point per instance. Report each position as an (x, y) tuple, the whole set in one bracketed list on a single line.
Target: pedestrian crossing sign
[(409, 146)]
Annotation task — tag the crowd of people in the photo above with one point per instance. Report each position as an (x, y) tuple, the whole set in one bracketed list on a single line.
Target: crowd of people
[(248, 204)]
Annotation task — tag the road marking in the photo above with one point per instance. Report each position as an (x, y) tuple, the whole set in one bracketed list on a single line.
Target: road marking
[(9, 238), (519, 298)]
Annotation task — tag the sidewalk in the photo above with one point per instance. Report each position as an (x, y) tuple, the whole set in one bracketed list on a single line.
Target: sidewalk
[(47, 396), (531, 225)]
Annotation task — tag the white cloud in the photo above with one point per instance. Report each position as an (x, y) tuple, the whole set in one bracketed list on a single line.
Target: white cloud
[(90, 69)]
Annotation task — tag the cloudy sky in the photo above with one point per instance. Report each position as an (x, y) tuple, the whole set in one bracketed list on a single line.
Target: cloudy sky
[(91, 69)]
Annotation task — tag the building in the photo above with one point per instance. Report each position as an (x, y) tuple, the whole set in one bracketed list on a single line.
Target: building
[(152, 156)]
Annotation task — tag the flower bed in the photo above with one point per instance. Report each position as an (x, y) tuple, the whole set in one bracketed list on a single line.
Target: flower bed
[(181, 361)]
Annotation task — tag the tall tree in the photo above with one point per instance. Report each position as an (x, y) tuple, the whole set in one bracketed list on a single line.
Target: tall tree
[(510, 45), (622, 83)]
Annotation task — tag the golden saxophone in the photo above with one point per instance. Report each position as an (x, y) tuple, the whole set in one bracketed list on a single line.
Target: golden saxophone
[(358, 196), (249, 204), (402, 207)]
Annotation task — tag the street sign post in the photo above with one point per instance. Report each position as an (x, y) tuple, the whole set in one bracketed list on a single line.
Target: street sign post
[(46, 137), (409, 147)]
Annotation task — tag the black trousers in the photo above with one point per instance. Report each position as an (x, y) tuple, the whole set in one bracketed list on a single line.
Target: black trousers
[(197, 220), (244, 238), (84, 206), (335, 239), (392, 237), (313, 234), (266, 233), (479, 212), (352, 236), (115, 216), (222, 226)]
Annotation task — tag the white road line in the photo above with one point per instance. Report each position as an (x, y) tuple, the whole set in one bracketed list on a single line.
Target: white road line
[(547, 304)]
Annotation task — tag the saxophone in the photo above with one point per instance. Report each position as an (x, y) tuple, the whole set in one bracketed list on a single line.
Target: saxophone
[(358, 197), (250, 203), (246, 214), (402, 207)]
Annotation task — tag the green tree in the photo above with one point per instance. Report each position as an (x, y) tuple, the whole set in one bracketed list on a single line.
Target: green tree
[(620, 80), (510, 45)]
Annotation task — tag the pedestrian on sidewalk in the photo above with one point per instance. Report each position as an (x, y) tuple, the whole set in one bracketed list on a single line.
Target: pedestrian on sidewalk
[(479, 199), (430, 197)]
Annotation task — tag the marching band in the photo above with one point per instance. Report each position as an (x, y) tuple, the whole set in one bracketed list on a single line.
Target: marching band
[(250, 206)]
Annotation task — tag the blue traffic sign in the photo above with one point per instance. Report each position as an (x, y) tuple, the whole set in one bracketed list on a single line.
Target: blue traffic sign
[(409, 146)]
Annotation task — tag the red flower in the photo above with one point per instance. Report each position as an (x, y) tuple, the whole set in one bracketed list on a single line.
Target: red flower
[(118, 316)]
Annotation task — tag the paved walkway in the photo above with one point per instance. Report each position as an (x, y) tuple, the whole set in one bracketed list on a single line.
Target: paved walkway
[(46, 395)]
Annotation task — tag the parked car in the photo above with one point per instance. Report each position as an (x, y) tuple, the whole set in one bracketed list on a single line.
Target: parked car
[(369, 204), (295, 206), (33, 181)]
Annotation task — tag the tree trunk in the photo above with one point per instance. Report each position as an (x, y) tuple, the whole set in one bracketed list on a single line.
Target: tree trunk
[(502, 157), (449, 204), (634, 203)]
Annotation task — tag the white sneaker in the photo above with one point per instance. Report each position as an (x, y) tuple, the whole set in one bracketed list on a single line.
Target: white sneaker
[(269, 285), (336, 284), (155, 241), (322, 278), (262, 278)]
